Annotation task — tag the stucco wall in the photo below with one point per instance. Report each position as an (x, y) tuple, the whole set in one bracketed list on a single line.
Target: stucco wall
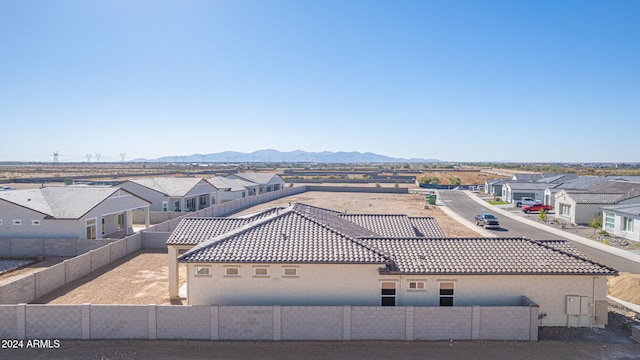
[(87, 321), (322, 285)]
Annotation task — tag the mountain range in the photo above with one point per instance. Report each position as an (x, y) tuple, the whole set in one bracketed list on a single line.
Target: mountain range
[(297, 156)]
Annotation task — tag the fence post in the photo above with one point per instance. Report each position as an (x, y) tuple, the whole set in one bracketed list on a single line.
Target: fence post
[(21, 326), (86, 321)]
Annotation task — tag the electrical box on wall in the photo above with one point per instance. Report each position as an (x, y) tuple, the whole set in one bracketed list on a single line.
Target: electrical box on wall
[(573, 304), (584, 305)]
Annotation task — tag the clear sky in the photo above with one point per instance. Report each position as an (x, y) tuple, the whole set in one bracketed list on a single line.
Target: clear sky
[(447, 79)]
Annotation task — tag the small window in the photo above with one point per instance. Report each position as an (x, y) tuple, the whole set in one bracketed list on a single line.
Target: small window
[(17, 222), (260, 271), (610, 220), (627, 224), (120, 221), (35, 222), (388, 294), (446, 293), (203, 270), (416, 285), (290, 272), (231, 271)]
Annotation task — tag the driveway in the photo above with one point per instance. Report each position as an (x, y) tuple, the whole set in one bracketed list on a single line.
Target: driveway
[(466, 208)]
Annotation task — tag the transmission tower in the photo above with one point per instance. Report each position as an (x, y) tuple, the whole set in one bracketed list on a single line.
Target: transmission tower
[(88, 157), (98, 157), (122, 156), (55, 157)]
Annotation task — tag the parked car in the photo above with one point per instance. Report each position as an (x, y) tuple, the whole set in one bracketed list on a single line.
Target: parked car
[(488, 221), (536, 207), (525, 201)]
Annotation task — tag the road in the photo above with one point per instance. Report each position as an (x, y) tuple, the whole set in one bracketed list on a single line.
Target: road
[(467, 208)]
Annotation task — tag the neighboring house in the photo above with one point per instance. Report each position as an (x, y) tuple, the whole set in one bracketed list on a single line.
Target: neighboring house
[(307, 256), (69, 212), (267, 182), (495, 186), (231, 189), (179, 194), (579, 183), (512, 191), (580, 207), (622, 220)]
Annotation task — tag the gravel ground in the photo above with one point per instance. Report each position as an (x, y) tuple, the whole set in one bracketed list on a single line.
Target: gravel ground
[(13, 264)]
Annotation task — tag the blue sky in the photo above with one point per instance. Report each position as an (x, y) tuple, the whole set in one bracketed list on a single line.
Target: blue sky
[(452, 80)]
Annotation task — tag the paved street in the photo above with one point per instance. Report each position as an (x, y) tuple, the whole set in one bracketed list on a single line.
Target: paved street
[(467, 208)]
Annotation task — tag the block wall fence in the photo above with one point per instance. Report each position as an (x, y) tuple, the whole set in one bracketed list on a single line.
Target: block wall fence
[(93, 322)]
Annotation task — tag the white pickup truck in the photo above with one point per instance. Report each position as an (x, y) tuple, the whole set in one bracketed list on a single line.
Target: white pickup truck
[(525, 201)]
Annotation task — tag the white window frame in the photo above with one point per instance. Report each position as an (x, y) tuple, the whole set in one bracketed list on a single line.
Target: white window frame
[(165, 206), (418, 285), (121, 224), (627, 224), (94, 225), (266, 271), (289, 268), (16, 222), (610, 220), (452, 296), (228, 271), (200, 271), (393, 296), (35, 222)]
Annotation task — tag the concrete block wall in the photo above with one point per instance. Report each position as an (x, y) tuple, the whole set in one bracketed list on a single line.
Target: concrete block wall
[(245, 323), (312, 322), (78, 267), (10, 247), (504, 323), (100, 257), (443, 323), (373, 322), (46, 281), (155, 240), (8, 325), (119, 322), (152, 322), (19, 291), (179, 322), (44, 322), (118, 249)]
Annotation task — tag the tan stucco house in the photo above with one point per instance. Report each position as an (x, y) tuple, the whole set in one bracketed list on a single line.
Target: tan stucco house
[(302, 255), (69, 212)]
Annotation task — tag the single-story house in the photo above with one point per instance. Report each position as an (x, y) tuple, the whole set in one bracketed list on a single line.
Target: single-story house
[(267, 182), (580, 207), (513, 191), (307, 256), (622, 220), (69, 212), (179, 194), (231, 189), (494, 187), (579, 183)]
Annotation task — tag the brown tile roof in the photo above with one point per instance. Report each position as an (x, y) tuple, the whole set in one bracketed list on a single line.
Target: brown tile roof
[(482, 256), (307, 234)]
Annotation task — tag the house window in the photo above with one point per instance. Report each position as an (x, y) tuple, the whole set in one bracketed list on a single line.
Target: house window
[(165, 206), (203, 270), (17, 222), (276, 187), (610, 220), (446, 293), (260, 271), (290, 272), (35, 222), (627, 224), (120, 221), (388, 294), (565, 209), (104, 228), (203, 201), (176, 205), (232, 271), (191, 204), (91, 228), (416, 285)]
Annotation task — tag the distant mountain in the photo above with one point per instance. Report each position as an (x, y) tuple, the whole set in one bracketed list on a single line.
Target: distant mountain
[(297, 156)]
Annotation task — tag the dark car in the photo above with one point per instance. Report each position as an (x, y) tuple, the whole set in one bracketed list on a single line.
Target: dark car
[(488, 221), (536, 207)]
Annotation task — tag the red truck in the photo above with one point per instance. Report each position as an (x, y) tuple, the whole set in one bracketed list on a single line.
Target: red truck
[(536, 207)]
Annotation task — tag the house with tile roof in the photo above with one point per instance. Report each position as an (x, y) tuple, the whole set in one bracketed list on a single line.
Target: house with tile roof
[(581, 206), (267, 182), (69, 212), (229, 189), (302, 255), (622, 220), (178, 194)]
